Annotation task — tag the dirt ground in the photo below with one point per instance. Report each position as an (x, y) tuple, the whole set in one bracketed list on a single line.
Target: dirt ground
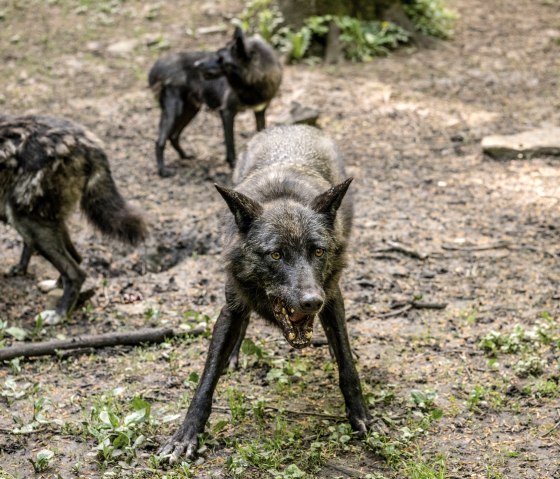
[(484, 235)]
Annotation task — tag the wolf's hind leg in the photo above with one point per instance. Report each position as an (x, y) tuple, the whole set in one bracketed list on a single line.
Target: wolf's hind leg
[(334, 323), (188, 113), (49, 240), (171, 110)]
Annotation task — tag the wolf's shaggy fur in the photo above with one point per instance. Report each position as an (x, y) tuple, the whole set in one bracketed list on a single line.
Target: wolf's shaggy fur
[(285, 252), (47, 165), (245, 74)]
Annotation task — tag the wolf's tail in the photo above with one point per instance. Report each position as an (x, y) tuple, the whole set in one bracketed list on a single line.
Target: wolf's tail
[(106, 208)]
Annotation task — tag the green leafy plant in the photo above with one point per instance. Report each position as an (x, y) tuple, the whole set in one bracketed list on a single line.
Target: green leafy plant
[(42, 461), (431, 17), (236, 403), (119, 433)]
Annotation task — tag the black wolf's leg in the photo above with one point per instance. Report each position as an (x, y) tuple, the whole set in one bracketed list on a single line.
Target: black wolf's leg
[(334, 324), (188, 113), (260, 119), (171, 107), (21, 268), (228, 117), (69, 245), (233, 362), (225, 335), (48, 239)]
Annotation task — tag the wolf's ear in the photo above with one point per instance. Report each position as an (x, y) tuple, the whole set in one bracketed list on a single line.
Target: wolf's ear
[(239, 39), (327, 203), (244, 209)]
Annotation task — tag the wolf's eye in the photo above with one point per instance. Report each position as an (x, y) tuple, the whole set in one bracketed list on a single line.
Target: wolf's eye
[(275, 255), (319, 252)]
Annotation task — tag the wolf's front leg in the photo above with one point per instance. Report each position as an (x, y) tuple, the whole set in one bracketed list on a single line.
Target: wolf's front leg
[(21, 267), (224, 337), (334, 323)]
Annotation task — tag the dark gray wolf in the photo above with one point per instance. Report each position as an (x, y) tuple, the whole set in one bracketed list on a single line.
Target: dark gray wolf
[(285, 252), (244, 74), (47, 165)]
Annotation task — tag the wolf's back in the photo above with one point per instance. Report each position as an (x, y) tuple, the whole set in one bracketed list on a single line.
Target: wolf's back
[(49, 164), (172, 70), (293, 161)]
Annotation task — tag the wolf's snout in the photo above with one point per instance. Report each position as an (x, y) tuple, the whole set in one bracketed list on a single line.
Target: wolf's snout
[(311, 302)]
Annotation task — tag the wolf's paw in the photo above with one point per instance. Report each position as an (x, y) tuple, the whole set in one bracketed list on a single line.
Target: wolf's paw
[(16, 270), (361, 423), (47, 285), (182, 442), (49, 317), (166, 172)]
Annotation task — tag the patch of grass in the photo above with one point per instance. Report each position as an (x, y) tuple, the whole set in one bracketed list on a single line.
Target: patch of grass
[(119, 429), (530, 344), (287, 374), (420, 468)]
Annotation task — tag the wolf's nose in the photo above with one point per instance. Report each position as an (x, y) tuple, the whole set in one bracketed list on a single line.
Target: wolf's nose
[(311, 302)]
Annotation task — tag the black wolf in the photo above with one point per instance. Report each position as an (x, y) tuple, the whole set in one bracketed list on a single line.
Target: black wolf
[(285, 252), (47, 165), (244, 74)]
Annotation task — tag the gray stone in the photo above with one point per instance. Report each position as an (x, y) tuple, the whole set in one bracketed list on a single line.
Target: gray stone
[(528, 144), (123, 47)]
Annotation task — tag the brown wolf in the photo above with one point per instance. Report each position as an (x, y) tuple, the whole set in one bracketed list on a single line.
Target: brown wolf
[(286, 244), (47, 165), (245, 74)]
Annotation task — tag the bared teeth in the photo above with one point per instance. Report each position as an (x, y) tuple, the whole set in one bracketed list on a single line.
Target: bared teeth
[(284, 311), (291, 336), (309, 334)]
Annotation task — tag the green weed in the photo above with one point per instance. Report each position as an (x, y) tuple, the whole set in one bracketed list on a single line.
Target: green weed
[(42, 461), (119, 429), (431, 17)]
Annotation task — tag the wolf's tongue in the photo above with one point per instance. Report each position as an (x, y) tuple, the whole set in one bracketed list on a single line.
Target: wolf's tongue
[(296, 317)]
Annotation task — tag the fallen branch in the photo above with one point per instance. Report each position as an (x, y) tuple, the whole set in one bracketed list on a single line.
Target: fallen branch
[(344, 470), (396, 312), (552, 429), (408, 305), (293, 412), (393, 246), (50, 348), (498, 245)]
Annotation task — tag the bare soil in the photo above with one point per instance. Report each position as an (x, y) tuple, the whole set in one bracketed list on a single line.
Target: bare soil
[(410, 124)]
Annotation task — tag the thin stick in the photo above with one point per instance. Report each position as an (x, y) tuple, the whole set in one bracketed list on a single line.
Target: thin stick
[(498, 245), (288, 411), (344, 470), (400, 248), (552, 429)]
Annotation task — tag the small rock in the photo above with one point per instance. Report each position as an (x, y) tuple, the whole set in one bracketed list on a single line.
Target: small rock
[(123, 47), (94, 47), (528, 144)]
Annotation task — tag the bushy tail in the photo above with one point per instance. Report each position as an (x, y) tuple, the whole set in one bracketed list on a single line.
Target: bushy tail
[(106, 208)]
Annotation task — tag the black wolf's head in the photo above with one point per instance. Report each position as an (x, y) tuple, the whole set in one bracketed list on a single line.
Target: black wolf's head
[(247, 62), (287, 256), (230, 59)]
